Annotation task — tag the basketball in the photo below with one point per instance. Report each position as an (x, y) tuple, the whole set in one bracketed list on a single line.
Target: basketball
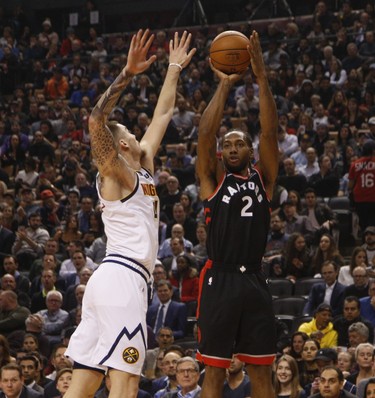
[(229, 53)]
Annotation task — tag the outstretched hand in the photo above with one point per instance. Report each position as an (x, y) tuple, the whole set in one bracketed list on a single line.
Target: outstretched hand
[(139, 47), (256, 56), (178, 50), (233, 78)]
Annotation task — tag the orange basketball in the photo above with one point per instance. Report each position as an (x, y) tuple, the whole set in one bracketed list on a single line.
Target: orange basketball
[(229, 53)]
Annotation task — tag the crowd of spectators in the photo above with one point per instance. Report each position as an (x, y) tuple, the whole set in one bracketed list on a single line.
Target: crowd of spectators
[(322, 75)]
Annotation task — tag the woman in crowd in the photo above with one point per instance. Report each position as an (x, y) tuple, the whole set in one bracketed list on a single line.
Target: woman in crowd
[(327, 250), (297, 257), (63, 380), (345, 362), (30, 343), (345, 137), (186, 279), (297, 341), (364, 358), (5, 356), (286, 380), (308, 369), (358, 259), (69, 233)]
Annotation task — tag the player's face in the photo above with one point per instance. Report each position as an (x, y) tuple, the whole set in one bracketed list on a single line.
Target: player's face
[(236, 153), (283, 372)]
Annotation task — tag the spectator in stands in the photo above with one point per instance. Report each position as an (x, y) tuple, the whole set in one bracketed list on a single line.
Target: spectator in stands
[(368, 303), (369, 245), (325, 182), (292, 180), (152, 366), (30, 241), (167, 384), (55, 319), (361, 172), (189, 224), (364, 357), (311, 166), (30, 369), (293, 221), (57, 86), (321, 217), (286, 376), (297, 257), (183, 119), (351, 315), (358, 259), (38, 299), (12, 315), (322, 135), (300, 156), (177, 232), (326, 251), (168, 313), (170, 197), (321, 327), (288, 143), (308, 369), (10, 265), (359, 287), (330, 291), (353, 60)]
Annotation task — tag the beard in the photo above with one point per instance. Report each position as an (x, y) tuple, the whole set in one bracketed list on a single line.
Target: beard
[(243, 165)]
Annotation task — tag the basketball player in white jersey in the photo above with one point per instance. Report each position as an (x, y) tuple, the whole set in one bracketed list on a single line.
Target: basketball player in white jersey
[(112, 334)]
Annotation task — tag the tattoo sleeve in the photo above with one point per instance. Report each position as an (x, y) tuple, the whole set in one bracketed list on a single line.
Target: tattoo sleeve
[(103, 147)]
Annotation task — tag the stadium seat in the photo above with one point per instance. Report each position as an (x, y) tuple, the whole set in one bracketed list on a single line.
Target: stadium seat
[(339, 203), (289, 306), (280, 287), (303, 286)]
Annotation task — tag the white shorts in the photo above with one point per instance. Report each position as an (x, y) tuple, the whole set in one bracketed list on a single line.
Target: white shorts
[(113, 331)]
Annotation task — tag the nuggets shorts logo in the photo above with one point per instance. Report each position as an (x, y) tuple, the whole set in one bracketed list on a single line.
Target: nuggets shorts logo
[(130, 355)]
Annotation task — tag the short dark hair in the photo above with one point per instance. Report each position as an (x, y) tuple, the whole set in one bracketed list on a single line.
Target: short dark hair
[(351, 299), (30, 358), (309, 190), (340, 375)]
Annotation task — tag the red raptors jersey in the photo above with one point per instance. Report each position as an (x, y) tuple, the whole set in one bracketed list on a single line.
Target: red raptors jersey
[(238, 217), (362, 171)]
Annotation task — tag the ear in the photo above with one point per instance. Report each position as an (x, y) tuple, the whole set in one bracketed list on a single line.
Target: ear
[(123, 145)]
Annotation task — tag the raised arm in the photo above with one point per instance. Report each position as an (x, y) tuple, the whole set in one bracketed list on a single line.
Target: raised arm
[(103, 146), (207, 165), (268, 147), (179, 58)]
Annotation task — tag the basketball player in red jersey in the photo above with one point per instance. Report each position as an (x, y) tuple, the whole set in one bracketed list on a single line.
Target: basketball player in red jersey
[(235, 313)]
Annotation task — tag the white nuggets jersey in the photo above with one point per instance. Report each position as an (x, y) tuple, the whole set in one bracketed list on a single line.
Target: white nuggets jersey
[(131, 224)]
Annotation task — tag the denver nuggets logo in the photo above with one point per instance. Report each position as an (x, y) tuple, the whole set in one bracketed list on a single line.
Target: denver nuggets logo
[(130, 355)]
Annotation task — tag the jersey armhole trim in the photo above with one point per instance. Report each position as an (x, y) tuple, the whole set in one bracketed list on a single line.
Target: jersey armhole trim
[(262, 182), (123, 200)]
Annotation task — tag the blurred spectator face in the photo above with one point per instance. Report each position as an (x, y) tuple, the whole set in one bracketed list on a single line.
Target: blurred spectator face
[(360, 277), (9, 264), (164, 293), (179, 214), (48, 279), (177, 231), (311, 155), (49, 262), (63, 382), (159, 274), (8, 282), (170, 363), (329, 385), (80, 291), (201, 234), (187, 376), (53, 302), (79, 260), (329, 274), (59, 360), (11, 383), (276, 224), (310, 198), (164, 338), (351, 310), (85, 275)]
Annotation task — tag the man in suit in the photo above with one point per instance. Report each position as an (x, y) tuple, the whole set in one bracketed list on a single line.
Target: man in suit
[(12, 383), (168, 313), (30, 368), (330, 291), (10, 266)]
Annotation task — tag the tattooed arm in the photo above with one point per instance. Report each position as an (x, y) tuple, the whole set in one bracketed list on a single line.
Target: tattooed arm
[(104, 149), (178, 54)]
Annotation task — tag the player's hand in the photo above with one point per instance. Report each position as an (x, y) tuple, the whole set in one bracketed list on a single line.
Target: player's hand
[(256, 56), (139, 46), (178, 49), (232, 79)]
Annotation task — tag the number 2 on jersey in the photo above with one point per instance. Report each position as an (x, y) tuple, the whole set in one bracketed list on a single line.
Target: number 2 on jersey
[(245, 210)]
